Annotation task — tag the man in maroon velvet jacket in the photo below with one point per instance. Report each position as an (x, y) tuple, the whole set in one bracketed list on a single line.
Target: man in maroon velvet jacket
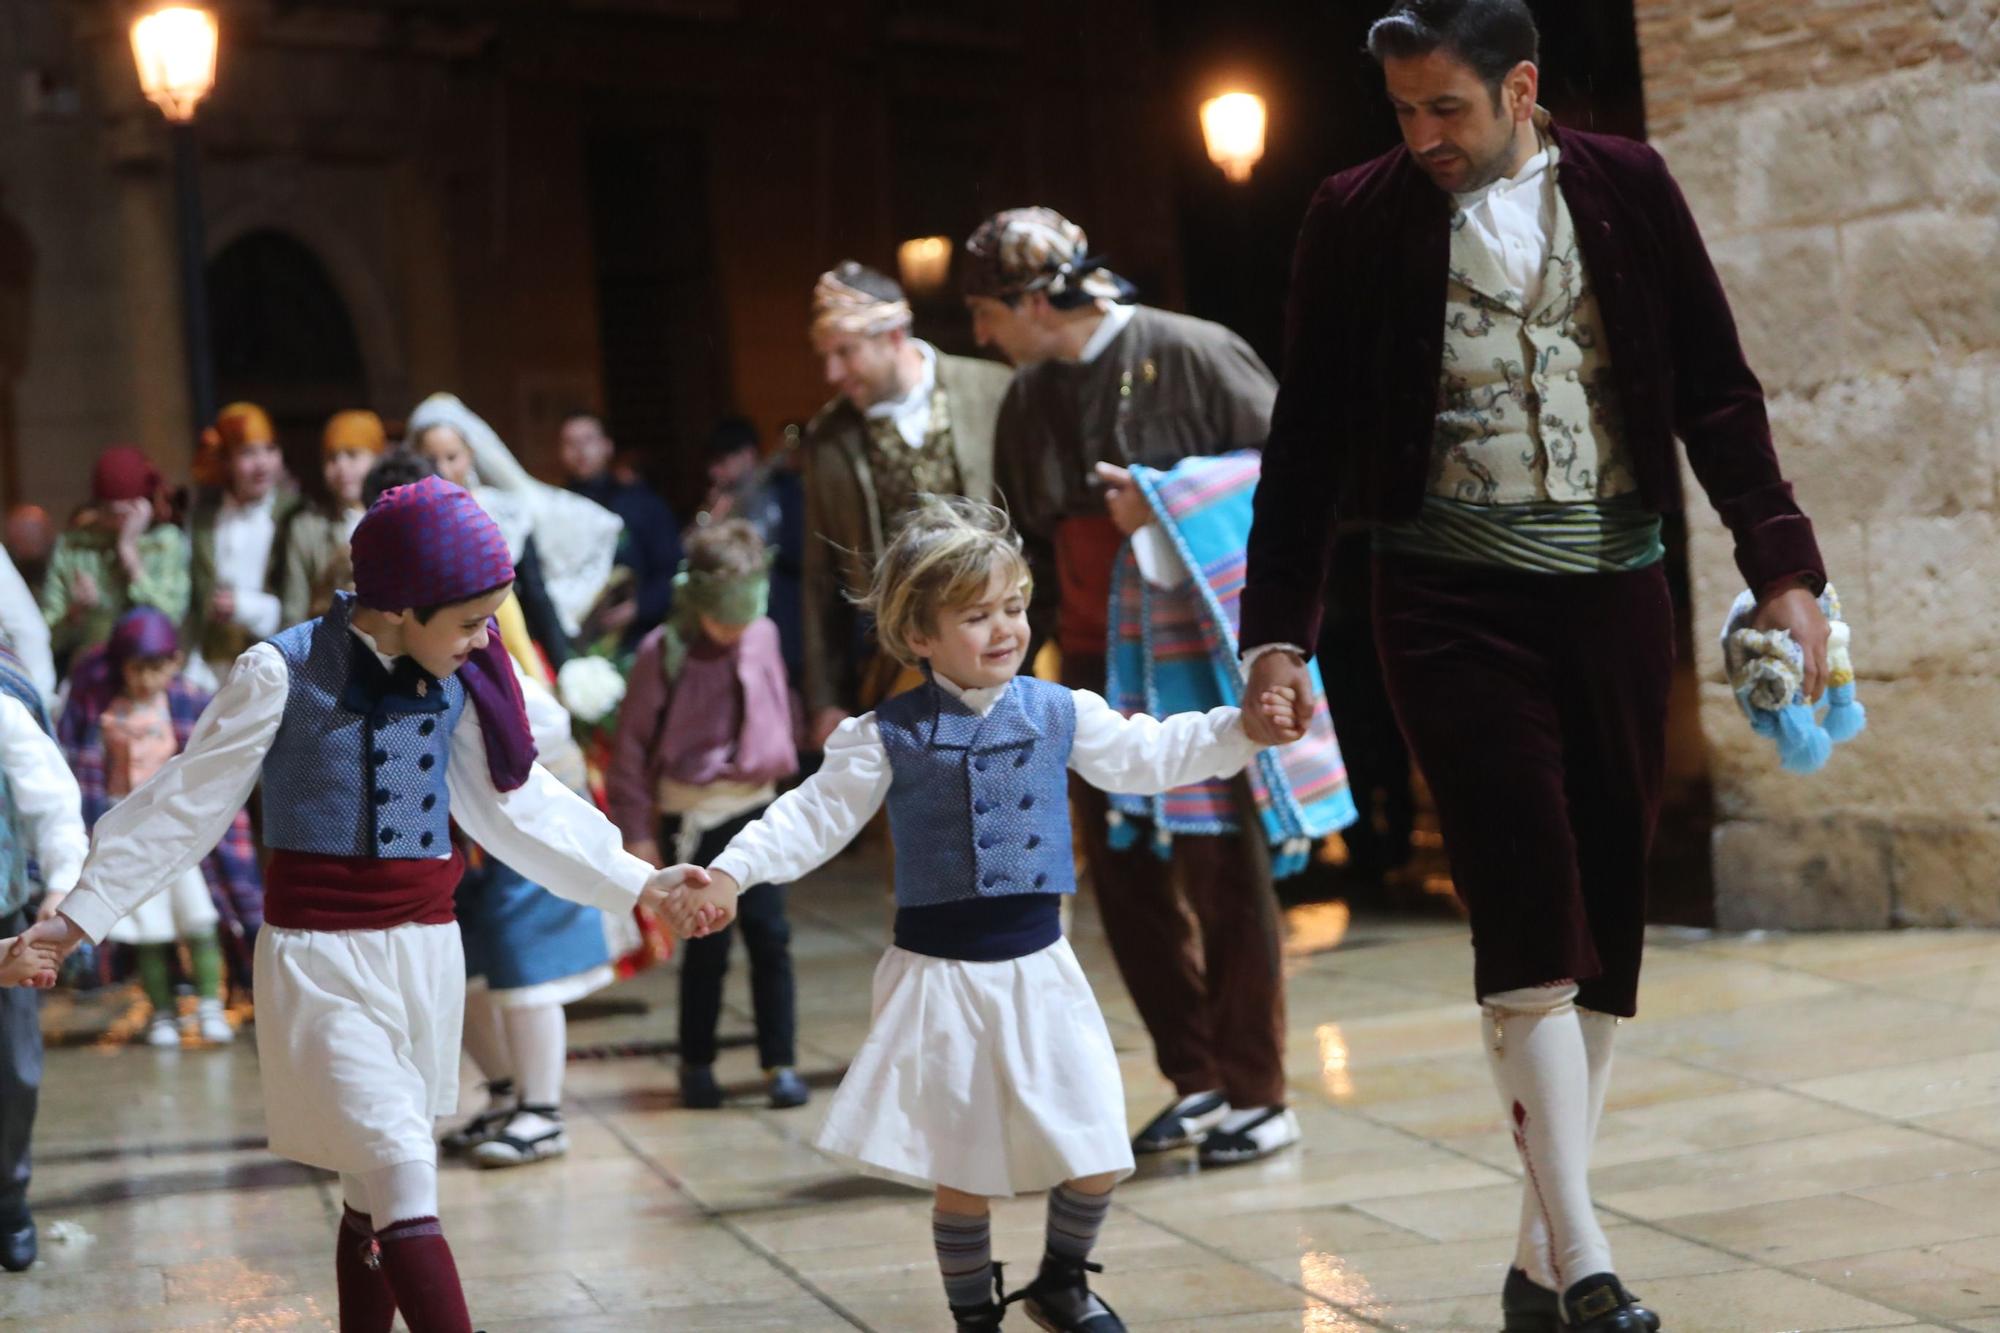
[(1496, 332)]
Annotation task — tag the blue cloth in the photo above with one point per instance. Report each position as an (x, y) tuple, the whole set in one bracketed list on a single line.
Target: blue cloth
[(362, 751), (16, 885), (979, 806), (518, 934)]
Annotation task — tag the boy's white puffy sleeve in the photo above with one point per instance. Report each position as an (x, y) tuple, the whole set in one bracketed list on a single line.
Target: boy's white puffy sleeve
[(803, 829), (1144, 755)]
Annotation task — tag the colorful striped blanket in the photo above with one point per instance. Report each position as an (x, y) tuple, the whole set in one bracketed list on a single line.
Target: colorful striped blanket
[(1173, 650)]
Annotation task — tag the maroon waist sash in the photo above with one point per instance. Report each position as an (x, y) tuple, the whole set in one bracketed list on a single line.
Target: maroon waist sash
[(304, 891)]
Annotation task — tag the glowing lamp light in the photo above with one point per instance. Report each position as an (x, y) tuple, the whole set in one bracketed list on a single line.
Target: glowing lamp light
[(1233, 126), (175, 49), (925, 264)]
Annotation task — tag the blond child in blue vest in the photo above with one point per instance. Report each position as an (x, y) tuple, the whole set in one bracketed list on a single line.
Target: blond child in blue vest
[(987, 1070)]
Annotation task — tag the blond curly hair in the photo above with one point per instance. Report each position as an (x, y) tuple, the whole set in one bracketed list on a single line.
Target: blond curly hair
[(944, 555)]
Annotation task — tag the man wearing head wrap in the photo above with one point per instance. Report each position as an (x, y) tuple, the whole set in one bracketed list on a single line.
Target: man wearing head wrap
[(122, 553), (241, 507), (906, 419), (1101, 384), (315, 562), (373, 729)]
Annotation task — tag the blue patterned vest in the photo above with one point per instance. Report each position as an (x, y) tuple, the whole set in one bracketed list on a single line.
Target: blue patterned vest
[(360, 756), (14, 853), (979, 806)]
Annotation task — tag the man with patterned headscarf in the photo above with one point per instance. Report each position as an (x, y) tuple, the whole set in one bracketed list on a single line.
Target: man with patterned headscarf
[(906, 419), (1102, 383)]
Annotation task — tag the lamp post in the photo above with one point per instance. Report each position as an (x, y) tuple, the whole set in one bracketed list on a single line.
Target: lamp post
[(174, 47)]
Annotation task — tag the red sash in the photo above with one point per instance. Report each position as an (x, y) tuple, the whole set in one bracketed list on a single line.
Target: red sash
[(303, 891)]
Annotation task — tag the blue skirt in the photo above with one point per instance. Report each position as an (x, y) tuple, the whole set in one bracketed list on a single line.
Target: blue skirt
[(519, 936)]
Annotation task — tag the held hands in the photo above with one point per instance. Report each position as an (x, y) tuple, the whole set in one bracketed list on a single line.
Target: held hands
[(1796, 611), (694, 901), (23, 963), (33, 956), (1277, 699), (222, 606), (1127, 507)]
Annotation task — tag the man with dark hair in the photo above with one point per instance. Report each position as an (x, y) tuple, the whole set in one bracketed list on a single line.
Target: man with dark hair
[(1103, 383), (651, 546), (906, 420), (1496, 331)]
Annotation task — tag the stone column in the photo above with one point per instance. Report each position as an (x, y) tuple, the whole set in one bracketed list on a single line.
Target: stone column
[(1843, 158)]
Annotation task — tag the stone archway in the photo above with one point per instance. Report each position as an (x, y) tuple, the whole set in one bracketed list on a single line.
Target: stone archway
[(283, 338)]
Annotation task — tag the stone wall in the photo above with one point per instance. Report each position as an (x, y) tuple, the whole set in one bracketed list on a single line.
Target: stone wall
[(1843, 157)]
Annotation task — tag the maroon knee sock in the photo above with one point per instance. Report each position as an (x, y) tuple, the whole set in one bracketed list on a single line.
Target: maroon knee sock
[(424, 1277), (366, 1303)]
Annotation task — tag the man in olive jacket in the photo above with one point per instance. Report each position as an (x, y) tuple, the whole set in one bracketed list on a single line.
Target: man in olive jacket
[(906, 420)]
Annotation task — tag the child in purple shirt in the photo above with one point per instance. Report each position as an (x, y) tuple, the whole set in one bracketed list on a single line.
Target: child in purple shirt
[(704, 735)]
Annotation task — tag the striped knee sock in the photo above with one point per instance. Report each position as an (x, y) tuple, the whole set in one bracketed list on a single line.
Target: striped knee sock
[(965, 1256), (1075, 1218)]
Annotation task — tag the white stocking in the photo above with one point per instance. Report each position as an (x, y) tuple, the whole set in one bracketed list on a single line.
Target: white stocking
[(538, 1038), (1535, 1046), (1531, 1255), (485, 1038)]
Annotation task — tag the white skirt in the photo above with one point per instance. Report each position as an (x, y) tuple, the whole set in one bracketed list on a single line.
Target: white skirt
[(990, 1078), (358, 1037), (181, 910)]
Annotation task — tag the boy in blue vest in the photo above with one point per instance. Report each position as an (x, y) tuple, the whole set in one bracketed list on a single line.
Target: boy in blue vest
[(41, 815), (987, 1070), (372, 729)]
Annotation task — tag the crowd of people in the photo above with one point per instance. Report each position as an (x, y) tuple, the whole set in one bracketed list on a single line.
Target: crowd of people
[(418, 761)]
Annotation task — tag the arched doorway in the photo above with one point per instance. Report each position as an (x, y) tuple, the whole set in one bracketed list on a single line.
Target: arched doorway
[(283, 338)]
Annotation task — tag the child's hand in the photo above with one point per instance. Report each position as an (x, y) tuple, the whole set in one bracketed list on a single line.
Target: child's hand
[(24, 963), (707, 908), (1280, 709), (664, 887)]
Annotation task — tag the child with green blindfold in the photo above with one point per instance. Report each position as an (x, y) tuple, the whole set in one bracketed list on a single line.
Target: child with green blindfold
[(704, 736)]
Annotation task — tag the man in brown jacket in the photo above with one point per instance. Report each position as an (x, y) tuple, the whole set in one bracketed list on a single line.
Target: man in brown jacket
[(906, 419), (1101, 384)]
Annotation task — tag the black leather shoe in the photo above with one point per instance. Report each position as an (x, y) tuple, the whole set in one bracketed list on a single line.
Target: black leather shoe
[(1601, 1304), (1060, 1299), (18, 1245), (1526, 1306)]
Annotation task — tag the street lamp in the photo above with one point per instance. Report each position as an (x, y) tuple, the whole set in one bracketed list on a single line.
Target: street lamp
[(174, 47), (1233, 127)]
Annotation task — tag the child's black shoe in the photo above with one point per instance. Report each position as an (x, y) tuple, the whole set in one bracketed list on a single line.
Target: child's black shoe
[(1060, 1299)]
